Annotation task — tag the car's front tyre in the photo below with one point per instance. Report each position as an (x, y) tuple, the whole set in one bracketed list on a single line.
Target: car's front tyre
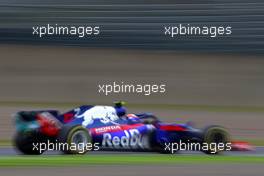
[(215, 136)]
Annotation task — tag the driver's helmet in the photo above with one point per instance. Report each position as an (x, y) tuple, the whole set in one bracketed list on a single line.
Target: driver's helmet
[(120, 109)]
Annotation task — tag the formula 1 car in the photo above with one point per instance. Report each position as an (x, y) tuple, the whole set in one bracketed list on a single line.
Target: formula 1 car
[(108, 128)]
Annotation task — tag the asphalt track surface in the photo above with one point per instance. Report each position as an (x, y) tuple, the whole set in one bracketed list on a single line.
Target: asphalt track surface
[(72, 74)]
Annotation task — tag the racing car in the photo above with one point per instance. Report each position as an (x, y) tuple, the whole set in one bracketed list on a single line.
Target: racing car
[(109, 128)]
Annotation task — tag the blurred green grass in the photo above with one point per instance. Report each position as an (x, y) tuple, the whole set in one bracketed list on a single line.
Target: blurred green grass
[(122, 159)]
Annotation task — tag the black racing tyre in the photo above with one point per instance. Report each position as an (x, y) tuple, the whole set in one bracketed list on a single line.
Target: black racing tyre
[(24, 143), (213, 136), (77, 138)]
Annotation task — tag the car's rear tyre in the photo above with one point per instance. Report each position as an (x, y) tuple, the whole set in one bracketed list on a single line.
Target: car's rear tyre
[(77, 139), (215, 136), (24, 143)]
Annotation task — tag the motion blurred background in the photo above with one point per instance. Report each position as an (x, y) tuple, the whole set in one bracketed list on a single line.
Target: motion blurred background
[(208, 80), (137, 24)]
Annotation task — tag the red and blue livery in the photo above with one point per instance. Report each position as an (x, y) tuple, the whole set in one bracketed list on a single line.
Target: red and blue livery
[(107, 128)]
